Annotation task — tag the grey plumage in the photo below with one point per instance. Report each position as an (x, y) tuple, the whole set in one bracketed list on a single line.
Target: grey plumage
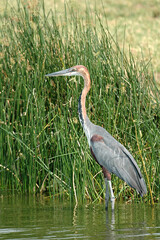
[(116, 158)]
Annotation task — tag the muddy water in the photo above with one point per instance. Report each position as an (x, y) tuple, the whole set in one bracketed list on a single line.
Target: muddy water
[(24, 217)]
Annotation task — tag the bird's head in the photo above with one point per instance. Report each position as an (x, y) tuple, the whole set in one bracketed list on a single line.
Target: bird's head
[(78, 70)]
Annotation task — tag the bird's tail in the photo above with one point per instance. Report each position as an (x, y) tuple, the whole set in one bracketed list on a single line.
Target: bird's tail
[(134, 177), (141, 187), (135, 180)]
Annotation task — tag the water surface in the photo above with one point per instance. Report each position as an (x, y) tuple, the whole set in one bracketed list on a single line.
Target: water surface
[(24, 217)]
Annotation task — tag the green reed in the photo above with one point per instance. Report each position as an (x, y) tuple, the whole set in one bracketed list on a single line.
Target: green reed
[(43, 147)]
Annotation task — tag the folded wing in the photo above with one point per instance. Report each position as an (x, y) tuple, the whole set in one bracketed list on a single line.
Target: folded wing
[(119, 161)]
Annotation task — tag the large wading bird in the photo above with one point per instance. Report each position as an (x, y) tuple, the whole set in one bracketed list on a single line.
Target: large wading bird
[(111, 155)]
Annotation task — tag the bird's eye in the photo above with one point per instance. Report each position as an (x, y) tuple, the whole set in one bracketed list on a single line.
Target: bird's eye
[(73, 70)]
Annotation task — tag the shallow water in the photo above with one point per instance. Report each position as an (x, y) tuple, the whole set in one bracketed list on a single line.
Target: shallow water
[(42, 218)]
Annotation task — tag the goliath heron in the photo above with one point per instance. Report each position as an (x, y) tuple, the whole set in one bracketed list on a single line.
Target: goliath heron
[(111, 155)]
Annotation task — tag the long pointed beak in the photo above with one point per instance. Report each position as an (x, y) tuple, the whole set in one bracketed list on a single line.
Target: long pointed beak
[(66, 72)]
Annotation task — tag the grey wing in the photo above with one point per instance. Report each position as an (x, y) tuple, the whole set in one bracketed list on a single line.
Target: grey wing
[(119, 161)]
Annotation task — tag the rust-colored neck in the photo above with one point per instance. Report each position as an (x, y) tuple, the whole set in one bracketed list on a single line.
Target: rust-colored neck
[(82, 98)]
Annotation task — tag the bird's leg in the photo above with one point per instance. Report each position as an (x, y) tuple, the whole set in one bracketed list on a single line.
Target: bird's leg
[(107, 193), (107, 179), (112, 194)]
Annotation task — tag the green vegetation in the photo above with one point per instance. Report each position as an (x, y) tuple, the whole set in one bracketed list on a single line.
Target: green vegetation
[(43, 147)]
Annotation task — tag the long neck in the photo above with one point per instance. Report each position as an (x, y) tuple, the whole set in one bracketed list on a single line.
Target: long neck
[(82, 99)]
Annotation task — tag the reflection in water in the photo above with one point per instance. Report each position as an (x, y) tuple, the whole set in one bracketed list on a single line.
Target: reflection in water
[(75, 215), (35, 218), (110, 225)]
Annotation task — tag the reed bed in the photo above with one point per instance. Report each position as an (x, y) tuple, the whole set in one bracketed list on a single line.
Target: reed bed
[(43, 147)]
